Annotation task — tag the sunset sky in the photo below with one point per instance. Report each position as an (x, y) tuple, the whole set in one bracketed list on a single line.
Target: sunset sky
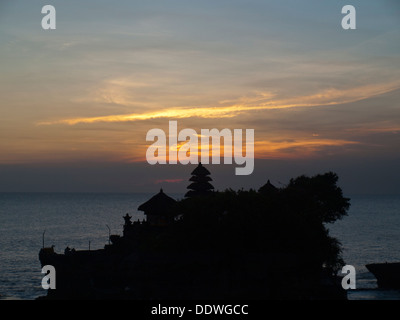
[(78, 101)]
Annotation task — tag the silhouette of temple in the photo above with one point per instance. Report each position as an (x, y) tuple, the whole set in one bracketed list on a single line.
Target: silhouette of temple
[(159, 209), (268, 188), (234, 245), (200, 182)]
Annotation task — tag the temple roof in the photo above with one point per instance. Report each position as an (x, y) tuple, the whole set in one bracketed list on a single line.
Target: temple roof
[(160, 204), (267, 188), (200, 171), (200, 179), (204, 186), (200, 182)]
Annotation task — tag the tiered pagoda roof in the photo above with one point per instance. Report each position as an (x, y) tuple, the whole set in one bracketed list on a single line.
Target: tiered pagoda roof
[(200, 182)]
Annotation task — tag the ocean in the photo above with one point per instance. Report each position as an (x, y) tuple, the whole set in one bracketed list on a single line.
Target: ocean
[(370, 233)]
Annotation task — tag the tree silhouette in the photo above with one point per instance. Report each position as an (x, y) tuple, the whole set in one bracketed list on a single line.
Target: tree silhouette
[(289, 220)]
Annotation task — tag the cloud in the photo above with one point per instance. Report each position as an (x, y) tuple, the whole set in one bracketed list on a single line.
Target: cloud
[(298, 148), (394, 130), (260, 101)]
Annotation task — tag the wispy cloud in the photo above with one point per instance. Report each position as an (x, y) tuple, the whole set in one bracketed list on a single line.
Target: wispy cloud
[(394, 130), (296, 148), (258, 102)]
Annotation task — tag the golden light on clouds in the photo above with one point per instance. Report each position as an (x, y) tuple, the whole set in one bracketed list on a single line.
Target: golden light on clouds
[(296, 148), (268, 145), (284, 149), (89, 93), (261, 101)]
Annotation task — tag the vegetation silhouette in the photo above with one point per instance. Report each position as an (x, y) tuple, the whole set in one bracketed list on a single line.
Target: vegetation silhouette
[(288, 219)]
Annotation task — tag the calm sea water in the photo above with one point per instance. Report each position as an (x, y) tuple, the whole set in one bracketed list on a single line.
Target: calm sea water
[(371, 233)]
